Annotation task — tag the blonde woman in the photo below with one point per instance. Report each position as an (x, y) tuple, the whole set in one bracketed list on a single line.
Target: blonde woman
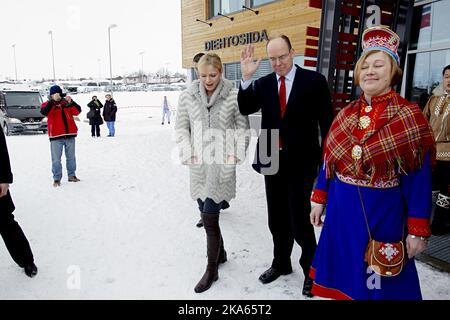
[(212, 137)]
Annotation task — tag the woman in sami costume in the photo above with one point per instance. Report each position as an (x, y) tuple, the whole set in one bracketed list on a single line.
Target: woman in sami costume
[(379, 153)]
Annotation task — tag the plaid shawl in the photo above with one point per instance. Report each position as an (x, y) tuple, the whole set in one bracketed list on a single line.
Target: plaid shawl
[(398, 142)]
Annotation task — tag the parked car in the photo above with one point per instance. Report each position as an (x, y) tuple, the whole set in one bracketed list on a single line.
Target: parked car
[(20, 111)]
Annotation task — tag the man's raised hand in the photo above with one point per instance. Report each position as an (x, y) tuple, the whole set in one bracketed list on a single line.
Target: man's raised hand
[(248, 64)]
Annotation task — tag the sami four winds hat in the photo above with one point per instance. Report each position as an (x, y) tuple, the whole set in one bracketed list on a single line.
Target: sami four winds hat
[(381, 38)]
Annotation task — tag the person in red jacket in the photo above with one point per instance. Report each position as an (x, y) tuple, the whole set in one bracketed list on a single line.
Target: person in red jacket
[(62, 132)]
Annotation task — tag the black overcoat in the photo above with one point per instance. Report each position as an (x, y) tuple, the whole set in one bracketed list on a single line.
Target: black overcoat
[(109, 110), (308, 109), (6, 176), (97, 118)]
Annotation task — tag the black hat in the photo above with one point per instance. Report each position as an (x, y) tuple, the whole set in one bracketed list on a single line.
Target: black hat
[(55, 89)]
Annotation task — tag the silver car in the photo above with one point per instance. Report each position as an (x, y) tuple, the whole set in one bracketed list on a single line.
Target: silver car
[(20, 112)]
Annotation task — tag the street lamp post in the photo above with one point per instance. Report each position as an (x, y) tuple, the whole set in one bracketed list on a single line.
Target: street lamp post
[(166, 72), (99, 69), (50, 32), (142, 65), (15, 63), (110, 62)]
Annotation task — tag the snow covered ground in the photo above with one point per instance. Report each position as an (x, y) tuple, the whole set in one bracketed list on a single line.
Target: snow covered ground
[(127, 230)]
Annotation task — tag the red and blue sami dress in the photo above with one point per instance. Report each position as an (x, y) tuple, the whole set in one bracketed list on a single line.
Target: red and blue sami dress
[(385, 149)]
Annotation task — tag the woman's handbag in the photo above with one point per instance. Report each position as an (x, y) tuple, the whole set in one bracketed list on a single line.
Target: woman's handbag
[(90, 114), (384, 258)]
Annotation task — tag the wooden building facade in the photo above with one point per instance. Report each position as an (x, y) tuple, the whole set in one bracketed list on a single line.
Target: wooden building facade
[(227, 26)]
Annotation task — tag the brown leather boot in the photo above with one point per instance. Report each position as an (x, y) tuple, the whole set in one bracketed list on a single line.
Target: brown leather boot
[(212, 229), (222, 252)]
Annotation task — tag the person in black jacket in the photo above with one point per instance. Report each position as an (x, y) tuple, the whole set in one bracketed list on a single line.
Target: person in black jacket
[(109, 114), (13, 236), (294, 103), (94, 116)]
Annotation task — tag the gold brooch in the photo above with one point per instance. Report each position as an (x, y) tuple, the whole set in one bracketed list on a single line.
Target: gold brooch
[(364, 122), (356, 152), (368, 109)]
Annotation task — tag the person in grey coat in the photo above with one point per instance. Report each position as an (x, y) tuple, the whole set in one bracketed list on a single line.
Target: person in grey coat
[(213, 138)]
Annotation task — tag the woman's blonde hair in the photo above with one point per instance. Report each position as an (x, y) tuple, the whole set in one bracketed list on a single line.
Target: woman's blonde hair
[(211, 59), (396, 72)]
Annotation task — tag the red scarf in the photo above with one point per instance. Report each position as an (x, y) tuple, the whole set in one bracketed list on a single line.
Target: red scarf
[(396, 142)]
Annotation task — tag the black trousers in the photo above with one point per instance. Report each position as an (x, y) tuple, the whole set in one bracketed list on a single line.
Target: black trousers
[(441, 177), (288, 202), (95, 130), (12, 234)]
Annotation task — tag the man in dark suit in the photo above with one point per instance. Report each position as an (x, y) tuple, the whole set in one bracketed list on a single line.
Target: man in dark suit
[(294, 102), (15, 240)]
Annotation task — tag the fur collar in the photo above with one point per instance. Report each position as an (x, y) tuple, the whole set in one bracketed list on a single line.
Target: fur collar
[(222, 91), (439, 90)]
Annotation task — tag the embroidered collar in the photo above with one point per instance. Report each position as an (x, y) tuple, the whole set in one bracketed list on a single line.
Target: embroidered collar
[(377, 100), (369, 114), (397, 142)]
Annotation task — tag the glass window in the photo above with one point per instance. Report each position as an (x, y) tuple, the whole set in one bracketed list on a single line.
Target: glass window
[(426, 70), (23, 99), (225, 6), (300, 60), (215, 7), (433, 25), (193, 74), (233, 70), (260, 2), (231, 5)]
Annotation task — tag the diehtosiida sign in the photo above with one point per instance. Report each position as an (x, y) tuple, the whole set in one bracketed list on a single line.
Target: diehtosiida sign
[(236, 40)]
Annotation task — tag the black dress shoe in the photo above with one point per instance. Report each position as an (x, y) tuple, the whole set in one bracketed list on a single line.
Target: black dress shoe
[(30, 270), (271, 274), (307, 287)]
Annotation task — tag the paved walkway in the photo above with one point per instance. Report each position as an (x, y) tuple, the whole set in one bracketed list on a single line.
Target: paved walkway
[(438, 253)]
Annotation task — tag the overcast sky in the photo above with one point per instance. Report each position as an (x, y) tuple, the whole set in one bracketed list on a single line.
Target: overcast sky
[(80, 37)]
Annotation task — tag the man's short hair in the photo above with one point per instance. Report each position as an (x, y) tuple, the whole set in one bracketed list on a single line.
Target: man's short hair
[(445, 69), (284, 37), (197, 57)]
